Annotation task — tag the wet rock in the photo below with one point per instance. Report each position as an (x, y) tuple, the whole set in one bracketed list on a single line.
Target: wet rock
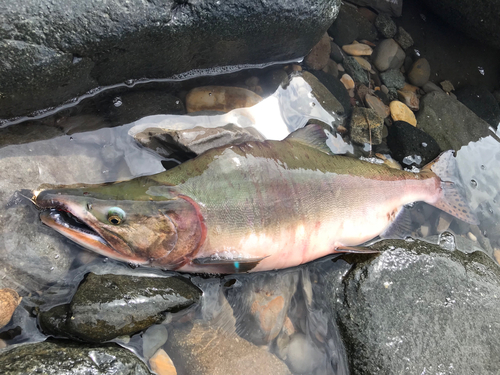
[(478, 19), (401, 112), (388, 55), (153, 339), (403, 38), (364, 63), (338, 90), (204, 350), (430, 87), (302, 355), (415, 293), (125, 305), (385, 25), (351, 25), (420, 72), (355, 70), (319, 55), (411, 146), (449, 122), (393, 78), (65, 357), (393, 7), (162, 364), (366, 126), (260, 304), (347, 81), (331, 68), (409, 98), (377, 105), (336, 53), (482, 102), (357, 49), (59, 54), (220, 98), (9, 300)]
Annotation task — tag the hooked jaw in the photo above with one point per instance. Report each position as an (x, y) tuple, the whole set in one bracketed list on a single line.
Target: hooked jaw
[(73, 221)]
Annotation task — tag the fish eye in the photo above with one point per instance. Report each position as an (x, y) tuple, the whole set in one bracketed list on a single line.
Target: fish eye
[(116, 215)]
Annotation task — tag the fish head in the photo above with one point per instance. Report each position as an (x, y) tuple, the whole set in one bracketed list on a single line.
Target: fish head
[(163, 230)]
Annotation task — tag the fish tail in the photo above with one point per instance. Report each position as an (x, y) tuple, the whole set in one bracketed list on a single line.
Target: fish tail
[(452, 198)]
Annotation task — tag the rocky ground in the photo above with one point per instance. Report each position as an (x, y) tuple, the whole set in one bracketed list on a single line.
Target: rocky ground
[(418, 307)]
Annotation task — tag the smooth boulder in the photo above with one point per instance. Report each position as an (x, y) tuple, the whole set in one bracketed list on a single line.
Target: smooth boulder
[(54, 51), (418, 308)]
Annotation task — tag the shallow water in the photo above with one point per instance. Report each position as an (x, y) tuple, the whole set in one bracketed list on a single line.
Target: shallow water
[(89, 142)]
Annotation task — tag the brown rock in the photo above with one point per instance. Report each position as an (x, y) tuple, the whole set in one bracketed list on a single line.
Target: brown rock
[(364, 63), (368, 14), (366, 126), (347, 81), (447, 86), (319, 55), (409, 98), (207, 351), (220, 98), (161, 363), (408, 87), (362, 92), (377, 105), (331, 68), (9, 300), (401, 112), (357, 49), (419, 72)]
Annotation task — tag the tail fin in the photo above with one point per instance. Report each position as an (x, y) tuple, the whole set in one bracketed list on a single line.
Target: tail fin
[(452, 199)]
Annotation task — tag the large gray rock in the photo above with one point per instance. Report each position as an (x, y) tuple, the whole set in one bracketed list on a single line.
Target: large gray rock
[(417, 308), (64, 357), (53, 51), (449, 122), (393, 7), (477, 18)]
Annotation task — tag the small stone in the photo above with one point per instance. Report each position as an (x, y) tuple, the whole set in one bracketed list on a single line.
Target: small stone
[(319, 55), (377, 105), (430, 87), (385, 25), (341, 68), (444, 222), (366, 126), (355, 70), (447, 86), (331, 68), (497, 255), (161, 364), (347, 81), (409, 98), (384, 89), (393, 78), (401, 112), (425, 230), (388, 55), (403, 38), (357, 49), (408, 87), (336, 53), (419, 72), (9, 300), (362, 92), (472, 237), (364, 63), (220, 98), (303, 355)]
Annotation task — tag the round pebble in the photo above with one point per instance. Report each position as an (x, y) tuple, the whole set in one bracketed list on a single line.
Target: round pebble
[(420, 72), (347, 81), (388, 55), (401, 112), (9, 300), (357, 49), (303, 356), (161, 364), (364, 63)]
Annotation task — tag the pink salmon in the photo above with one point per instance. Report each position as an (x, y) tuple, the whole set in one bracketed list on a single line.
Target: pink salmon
[(250, 207)]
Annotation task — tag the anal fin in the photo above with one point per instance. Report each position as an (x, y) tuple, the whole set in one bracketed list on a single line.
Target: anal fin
[(228, 266)]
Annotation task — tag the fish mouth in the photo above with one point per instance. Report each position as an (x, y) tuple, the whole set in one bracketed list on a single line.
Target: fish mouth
[(71, 223)]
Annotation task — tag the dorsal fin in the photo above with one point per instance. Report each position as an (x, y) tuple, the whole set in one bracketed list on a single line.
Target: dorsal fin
[(311, 135)]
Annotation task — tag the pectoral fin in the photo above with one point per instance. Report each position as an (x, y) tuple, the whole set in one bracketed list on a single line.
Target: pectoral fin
[(227, 266), (355, 250)]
